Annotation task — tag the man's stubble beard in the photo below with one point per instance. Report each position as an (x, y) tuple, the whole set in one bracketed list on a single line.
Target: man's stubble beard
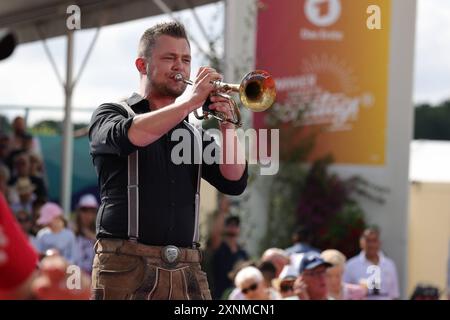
[(163, 89)]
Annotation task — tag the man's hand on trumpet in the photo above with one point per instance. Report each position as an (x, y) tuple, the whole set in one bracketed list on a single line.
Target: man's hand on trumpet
[(204, 84), (222, 105)]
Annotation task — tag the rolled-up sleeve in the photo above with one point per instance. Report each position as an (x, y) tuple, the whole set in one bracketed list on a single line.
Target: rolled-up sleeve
[(108, 131), (212, 174)]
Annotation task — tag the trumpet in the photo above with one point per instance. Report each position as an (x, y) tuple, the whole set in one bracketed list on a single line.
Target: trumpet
[(256, 92)]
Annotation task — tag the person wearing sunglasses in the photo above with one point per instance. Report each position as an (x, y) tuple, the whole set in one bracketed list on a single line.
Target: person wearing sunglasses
[(251, 283), (311, 283), (284, 284)]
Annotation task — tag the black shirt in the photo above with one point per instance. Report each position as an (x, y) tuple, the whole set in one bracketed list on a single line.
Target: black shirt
[(223, 262), (166, 190)]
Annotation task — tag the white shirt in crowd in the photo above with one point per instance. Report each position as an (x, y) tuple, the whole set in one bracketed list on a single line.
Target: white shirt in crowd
[(358, 269)]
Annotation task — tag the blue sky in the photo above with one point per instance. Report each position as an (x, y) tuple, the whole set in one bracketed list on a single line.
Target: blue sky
[(27, 78)]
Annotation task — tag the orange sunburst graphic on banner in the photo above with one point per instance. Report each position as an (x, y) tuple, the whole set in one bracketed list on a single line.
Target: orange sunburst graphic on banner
[(331, 74)]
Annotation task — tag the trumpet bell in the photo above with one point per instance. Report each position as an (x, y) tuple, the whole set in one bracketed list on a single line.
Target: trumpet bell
[(257, 90)]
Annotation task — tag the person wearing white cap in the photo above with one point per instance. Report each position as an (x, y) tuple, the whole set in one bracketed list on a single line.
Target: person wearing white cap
[(284, 284), (88, 201), (85, 231), (55, 235)]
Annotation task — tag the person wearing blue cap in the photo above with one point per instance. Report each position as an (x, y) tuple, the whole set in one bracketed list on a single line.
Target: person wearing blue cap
[(311, 282)]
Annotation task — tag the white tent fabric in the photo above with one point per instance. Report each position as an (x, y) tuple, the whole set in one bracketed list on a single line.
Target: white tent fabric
[(26, 17)]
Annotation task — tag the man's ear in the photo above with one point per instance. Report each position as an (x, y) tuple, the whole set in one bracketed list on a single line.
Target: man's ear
[(141, 65)]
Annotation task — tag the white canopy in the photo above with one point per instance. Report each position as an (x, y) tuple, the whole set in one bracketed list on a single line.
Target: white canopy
[(25, 16)]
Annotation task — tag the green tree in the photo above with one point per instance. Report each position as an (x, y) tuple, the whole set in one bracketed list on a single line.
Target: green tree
[(47, 127), (432, 122), (52, 127)]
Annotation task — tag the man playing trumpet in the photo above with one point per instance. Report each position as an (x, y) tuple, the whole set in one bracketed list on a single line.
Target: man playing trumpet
[(147, 224)]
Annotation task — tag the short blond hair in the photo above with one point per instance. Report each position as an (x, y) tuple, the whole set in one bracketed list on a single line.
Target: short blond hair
[(248, 273), (173, 29), (271, 253), (335, 257)]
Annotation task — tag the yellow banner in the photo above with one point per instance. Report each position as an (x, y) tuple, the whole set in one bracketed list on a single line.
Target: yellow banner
[(330, 61)]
